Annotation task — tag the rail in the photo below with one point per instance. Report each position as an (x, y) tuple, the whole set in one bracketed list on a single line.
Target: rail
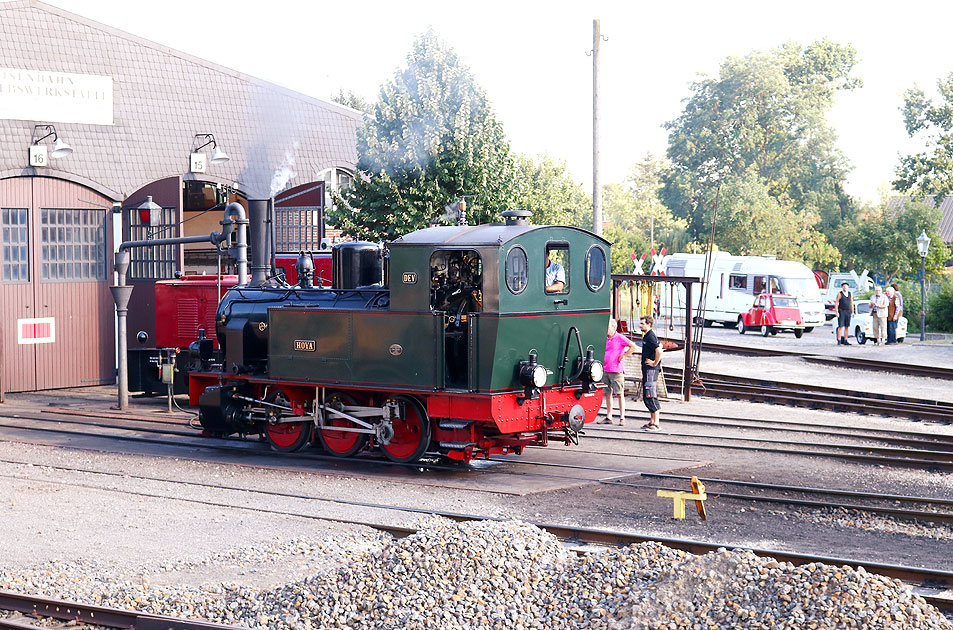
[(793, 394)]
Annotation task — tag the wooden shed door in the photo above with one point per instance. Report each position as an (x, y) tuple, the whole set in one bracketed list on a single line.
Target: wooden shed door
[(72, 255), (18, 363), (56, 312)]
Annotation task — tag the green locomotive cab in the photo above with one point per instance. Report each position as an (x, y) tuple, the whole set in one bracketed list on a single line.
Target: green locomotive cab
[(488, 284)]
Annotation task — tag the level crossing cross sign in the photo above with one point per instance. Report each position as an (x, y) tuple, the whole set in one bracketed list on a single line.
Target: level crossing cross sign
[(657, 262), (637, 262)]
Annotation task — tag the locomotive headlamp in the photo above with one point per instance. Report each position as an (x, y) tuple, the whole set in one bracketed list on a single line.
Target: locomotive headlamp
[(532, 376), (539, 376), (592, 372)]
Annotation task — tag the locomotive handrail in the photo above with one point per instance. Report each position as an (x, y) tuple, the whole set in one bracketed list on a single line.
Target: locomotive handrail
[(577, 372)]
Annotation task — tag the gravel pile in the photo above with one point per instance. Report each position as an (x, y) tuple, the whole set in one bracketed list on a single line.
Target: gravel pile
[(507, 575)]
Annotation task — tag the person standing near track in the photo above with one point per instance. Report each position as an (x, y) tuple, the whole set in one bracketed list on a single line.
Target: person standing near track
[(651, 364), (878, 313), (618, 347), (894, 311), (845, 307)]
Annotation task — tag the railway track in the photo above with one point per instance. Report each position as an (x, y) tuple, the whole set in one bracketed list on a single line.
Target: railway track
[(928, 507), (931, 514), (35, 607), (815, 397), (935, 586), (902, 452), (914, 439), (924, 455), (928, 510), (857, 363), (866, 453)]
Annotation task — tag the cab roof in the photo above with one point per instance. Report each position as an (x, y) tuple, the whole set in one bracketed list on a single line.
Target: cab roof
[(492, 234)]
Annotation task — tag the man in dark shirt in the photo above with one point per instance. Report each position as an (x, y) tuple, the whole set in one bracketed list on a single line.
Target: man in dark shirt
[(651, 364), (845, 307)]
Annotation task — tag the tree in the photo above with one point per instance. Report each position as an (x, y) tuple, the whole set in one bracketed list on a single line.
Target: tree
[(433, 140), (885, 240), (354, 101), (765, 114), (752, 222), (929, 172), (636, 216), (545, 188)]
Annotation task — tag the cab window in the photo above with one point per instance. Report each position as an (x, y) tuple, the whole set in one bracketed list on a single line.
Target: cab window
[(595, 268), (456, 282), (556, 268), (516, 270)]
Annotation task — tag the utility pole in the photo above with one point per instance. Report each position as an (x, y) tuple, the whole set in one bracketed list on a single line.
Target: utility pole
[(596, 184)]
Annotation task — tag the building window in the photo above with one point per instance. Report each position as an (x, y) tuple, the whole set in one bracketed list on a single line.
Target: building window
[(517, 272), (15, 242), (157, 262), (298, 229), (345, 180), (73, 244)]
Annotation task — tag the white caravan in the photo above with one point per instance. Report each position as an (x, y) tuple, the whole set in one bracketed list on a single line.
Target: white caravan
[(735, 281)]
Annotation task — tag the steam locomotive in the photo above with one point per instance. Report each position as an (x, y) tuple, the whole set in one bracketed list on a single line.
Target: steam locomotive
[(444, 341)]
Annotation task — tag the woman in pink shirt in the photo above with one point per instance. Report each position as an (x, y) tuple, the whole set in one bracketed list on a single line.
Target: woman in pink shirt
[(618, 346)]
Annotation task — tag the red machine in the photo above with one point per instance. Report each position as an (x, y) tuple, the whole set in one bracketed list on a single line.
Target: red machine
[(183, 307), (186, 304)]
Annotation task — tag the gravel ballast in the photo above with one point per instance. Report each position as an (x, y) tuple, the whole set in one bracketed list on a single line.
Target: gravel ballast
[(489, 574)]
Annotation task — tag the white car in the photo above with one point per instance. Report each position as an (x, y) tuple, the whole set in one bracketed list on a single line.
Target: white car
[(862, 325)]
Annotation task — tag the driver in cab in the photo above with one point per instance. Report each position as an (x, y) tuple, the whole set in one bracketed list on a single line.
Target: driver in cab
[(555, 276)]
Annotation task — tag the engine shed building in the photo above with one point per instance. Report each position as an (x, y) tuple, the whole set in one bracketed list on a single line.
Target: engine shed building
[(141, 120)]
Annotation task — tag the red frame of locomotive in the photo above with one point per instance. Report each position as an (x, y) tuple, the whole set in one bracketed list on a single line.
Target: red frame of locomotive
[(519, 422)]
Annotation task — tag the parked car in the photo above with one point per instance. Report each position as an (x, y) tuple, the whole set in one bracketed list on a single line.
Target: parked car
[(862, 324), (771, 313)]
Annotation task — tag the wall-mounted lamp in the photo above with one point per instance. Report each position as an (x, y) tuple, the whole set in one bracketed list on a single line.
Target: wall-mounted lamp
[(38, 152), (149, 212), (197, 160)]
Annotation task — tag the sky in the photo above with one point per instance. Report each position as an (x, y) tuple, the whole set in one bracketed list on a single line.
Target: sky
[(531, 59)]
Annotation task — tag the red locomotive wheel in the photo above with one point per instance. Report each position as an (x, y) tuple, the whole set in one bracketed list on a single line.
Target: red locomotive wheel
[(411, 434), (340, 443), (286, 437)]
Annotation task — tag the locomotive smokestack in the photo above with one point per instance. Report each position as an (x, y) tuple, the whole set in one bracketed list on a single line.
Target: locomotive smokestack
[(257, 224), (517, 217)]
